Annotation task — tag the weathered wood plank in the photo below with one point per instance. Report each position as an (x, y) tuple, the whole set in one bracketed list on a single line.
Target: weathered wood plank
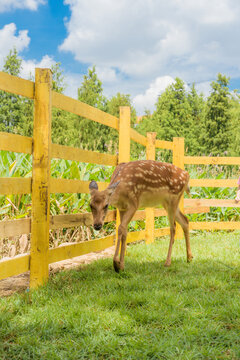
[(73, 250), (15, 227), (135, 136), (211, 203), (77, 107), (161, 144), (41, 177), (71, 220), (213, 182), (16, 85), (76, 154), (14, 266), (73, 186), (15, 143), (208, 160), (15, 185)]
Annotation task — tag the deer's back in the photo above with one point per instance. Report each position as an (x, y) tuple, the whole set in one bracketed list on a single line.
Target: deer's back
[(148, 181)]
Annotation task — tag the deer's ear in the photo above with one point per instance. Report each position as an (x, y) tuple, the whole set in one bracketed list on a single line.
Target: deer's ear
[(112, 188), (93, 186)]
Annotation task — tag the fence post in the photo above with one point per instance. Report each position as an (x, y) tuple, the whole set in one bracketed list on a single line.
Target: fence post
[(40, 178), (124, 144), (124, 134), (178, 160), (149, 225)]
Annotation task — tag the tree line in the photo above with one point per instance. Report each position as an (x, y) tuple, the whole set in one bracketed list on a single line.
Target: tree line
[(210, 125)]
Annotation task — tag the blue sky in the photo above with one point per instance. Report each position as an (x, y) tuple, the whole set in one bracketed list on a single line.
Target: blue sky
[(138, 47)]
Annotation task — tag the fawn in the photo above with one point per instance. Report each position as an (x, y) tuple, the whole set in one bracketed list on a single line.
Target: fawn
[(136, 184)]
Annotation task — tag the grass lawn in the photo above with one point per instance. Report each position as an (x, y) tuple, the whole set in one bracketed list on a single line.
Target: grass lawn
[(187, 311)]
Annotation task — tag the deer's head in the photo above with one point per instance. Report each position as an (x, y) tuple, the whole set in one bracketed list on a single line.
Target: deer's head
[(99, 202)]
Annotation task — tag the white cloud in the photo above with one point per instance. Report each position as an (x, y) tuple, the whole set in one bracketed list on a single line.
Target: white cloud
[(151, 38), (106, 75), (132, 42), (10, 38), (73, 82), (28, 66), (147, 100), (9, 5)]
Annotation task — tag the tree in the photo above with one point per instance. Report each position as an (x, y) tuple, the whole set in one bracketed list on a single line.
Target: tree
[(89, 134), (197, 106), (13, 108), (218, 117), (174, 116), (113, 107), (234, 146), (62, 121)]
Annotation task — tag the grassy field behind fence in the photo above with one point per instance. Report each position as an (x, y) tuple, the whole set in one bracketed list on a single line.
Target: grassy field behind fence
[(188, 311)]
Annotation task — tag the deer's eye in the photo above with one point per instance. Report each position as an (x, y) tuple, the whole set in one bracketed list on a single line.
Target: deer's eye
[(105, 207), (91, 206)]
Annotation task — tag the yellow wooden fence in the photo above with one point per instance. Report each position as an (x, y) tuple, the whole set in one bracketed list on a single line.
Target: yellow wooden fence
[(41, 184)]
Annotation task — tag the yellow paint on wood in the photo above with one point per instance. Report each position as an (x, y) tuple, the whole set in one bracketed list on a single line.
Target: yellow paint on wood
[(211, 202), (214, 182), (162, 232), (73, 186), (15, 185), (76, 154), (124, 144), (208, 160), (14, 266), (216, 225), (77, 107), (136, 236), (178, 160), (138, 138), (161, 144), (124, 134), (16, 143), (150, 153), (15, 85), (41, 177), (77, 249)]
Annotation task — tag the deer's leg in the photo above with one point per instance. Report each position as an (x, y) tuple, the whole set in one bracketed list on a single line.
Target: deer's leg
[(171, 207), (183, 221), (125, 217)]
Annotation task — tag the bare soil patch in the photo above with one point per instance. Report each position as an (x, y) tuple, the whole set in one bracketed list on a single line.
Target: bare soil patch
[(21, 282)]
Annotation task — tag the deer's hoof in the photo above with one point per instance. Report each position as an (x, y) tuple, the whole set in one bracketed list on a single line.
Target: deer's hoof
[(117, 266), (167, 264), (189, 258)]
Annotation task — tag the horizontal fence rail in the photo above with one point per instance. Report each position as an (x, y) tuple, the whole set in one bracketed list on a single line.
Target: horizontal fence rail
[(23, 226), (213, 182), (15, 85), (207, 160), (16, 143), (77, 107), (76, 154)]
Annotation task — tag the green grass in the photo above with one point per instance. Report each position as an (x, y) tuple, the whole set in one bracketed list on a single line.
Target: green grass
[(187, 311)]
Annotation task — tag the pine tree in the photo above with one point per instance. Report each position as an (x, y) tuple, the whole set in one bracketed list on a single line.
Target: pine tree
[(89, 134), (234, 145), (12, 107), (218, 117)]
